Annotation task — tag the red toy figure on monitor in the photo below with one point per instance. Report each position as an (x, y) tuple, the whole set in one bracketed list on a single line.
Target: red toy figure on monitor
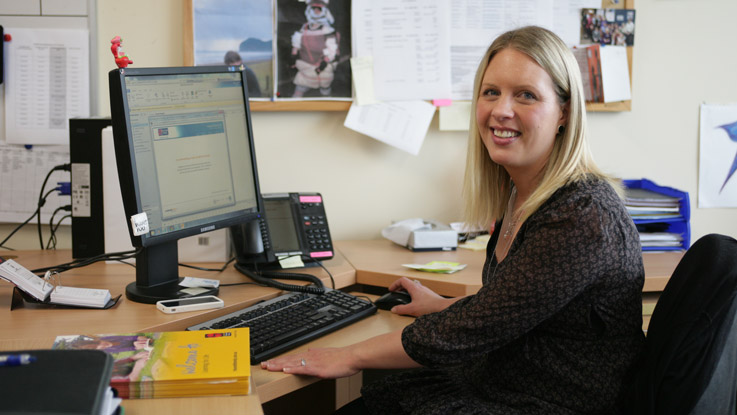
[(121, 59)]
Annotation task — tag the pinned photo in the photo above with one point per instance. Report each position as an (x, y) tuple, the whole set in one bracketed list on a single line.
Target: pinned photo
[(608, 26)]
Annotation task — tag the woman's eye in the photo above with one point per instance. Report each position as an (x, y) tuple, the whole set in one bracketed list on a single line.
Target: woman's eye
[(490, 92), (528, 95)]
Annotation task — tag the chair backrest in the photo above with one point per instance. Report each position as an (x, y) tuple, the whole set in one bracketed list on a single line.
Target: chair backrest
[(689, 365)]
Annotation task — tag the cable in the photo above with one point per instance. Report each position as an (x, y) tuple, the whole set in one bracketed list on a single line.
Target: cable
[(242, 283), (41, 202), (37, 212), (267, 278), (209, 269), (17, 229), (53, 228), (81, 262), (332, 280)]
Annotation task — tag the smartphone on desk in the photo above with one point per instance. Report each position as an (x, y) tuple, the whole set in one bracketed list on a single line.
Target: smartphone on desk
[(181, 305)]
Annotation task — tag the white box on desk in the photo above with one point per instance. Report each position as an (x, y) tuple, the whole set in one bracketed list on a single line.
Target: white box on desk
[(436, 239)]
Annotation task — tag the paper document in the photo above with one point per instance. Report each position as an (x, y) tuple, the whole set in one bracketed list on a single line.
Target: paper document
[(660, 236), (410, 46), (615, 75), (474, 25), (88, 297), (25, 279), (21, 176), (362, 70), (47, 82), (478, 243), (402, 124), (438, 267)]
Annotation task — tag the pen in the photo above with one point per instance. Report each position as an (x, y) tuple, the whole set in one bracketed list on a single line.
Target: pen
[(16, 359)]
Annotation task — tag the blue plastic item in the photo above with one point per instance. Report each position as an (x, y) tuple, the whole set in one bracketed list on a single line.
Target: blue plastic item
[(680, 225)]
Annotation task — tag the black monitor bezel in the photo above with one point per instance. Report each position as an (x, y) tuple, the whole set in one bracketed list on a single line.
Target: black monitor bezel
[(147, 268)]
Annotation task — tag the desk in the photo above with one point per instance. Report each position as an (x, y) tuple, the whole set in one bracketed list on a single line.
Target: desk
[(379, 263), (375, 262), (36, 328)]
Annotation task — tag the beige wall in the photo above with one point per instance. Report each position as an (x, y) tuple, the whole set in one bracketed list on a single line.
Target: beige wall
[(682, 58)]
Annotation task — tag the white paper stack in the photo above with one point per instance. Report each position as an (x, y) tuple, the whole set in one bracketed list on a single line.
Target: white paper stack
[(24, 279), (87, 297)]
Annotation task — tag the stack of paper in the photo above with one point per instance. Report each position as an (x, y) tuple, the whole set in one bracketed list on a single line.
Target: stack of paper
[(648, 205), (24, 279), (660, 239), (87, 297)]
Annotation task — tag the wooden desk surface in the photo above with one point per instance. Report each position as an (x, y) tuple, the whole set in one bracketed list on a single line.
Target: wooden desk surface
[(29, 327), (375, 262), (268, 385), (129, 315), (379, 263), (659, 266)]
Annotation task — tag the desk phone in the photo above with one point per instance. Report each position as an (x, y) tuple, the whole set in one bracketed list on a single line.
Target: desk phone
[(293, 224)]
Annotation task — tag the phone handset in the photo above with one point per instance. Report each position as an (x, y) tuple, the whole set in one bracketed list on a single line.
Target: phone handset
[(252, 243)]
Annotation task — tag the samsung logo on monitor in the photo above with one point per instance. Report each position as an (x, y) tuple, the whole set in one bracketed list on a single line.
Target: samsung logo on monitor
[(207, 228)]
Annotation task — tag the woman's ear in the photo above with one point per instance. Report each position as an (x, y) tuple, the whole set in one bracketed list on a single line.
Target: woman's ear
[(563, 120)]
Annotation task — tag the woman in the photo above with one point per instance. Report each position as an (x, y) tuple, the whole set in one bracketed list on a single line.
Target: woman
[(557, 322)]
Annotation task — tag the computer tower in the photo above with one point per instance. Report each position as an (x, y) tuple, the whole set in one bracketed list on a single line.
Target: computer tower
[(85, 154)]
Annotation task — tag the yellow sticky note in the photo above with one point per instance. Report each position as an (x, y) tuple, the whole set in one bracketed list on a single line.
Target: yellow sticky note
[(455, 117), (293, 261), (362, 69)]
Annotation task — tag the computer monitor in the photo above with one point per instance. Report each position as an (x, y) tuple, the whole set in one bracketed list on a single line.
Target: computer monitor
[(186, 164)]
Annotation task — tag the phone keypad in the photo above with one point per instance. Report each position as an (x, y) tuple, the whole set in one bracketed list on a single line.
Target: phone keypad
[(316, 227)]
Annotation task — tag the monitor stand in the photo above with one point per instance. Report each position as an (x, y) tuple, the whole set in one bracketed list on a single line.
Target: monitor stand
[(157, 276)]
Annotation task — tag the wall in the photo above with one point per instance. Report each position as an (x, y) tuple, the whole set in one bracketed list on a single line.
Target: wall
[(680, 61), (56, 14)]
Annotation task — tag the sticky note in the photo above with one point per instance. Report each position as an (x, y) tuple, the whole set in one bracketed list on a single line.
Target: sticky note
[(442, 102), (139, 223)]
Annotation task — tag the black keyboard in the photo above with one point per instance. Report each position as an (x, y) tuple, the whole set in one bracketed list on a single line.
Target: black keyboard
[(292, 319)]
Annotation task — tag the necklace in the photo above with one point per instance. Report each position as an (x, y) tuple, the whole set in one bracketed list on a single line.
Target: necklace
[(511, 219)]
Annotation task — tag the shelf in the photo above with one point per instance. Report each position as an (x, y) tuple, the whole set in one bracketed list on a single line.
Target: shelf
[(260, 106)]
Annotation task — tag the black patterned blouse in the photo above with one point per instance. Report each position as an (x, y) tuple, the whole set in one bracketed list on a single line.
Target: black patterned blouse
[(553, 329)]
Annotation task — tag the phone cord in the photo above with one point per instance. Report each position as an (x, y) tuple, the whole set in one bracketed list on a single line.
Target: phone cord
[(267, 278)]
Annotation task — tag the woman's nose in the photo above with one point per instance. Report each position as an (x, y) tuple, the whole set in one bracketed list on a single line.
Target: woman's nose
[(503, 108)]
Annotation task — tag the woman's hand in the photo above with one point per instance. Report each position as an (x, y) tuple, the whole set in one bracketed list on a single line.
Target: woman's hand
[(384, 351), (424, 300), (324, 363)]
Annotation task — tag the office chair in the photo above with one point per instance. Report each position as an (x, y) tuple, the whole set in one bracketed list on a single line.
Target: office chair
[(689, 365)]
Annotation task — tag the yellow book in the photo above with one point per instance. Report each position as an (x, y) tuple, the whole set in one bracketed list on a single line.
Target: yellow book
[(172, 364)]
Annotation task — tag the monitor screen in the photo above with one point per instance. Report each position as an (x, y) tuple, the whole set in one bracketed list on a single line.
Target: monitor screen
[(186, 163)]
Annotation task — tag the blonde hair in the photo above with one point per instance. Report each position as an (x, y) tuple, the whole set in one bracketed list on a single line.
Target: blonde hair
[(486, 186)]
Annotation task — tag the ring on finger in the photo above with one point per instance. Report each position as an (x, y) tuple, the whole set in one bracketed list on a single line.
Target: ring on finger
[(303, 362)]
